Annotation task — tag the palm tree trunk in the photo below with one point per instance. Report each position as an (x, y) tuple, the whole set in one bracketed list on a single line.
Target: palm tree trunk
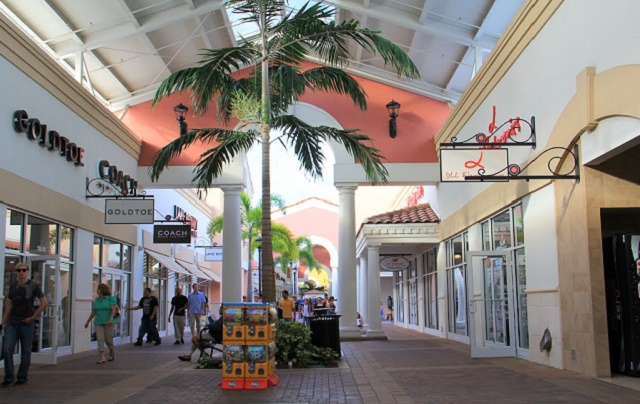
[(268, 279)]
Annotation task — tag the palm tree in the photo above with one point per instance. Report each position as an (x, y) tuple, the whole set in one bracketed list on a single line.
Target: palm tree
[(276, 82), (250, 224), (303, 251)]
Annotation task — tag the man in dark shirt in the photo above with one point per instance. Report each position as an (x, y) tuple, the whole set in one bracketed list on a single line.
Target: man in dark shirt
[(18, 323), (179, 303), (149, 305)]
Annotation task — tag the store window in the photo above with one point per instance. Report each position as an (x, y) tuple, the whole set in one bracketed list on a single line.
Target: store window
[(40, 242), (111, 260), (505, 231), (430, 283), (456, 272), (155, 277), (399, 303), (413, 292)]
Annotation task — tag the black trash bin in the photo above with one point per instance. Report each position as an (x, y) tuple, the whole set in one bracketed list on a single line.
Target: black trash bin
[(325, 331)]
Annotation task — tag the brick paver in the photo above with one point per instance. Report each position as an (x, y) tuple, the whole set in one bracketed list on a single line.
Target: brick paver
[(408, 368)]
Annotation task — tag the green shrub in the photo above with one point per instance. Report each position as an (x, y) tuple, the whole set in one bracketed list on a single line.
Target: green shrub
[(293, 343)]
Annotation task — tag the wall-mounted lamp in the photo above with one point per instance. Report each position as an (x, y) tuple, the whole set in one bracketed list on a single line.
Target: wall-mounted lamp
[(393, 108), (181, 112)]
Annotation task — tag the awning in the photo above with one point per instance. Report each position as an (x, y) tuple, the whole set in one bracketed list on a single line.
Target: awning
[(194, 270), (214, 276), (167, 262)]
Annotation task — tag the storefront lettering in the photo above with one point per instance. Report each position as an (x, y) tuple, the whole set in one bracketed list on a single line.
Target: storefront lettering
[(181, 214), (415, 196), (514, 128), (172, 234), (115, 177), (51, 139), (130, 212)]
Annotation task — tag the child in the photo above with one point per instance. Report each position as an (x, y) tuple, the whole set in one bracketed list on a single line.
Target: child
[(358, 321)]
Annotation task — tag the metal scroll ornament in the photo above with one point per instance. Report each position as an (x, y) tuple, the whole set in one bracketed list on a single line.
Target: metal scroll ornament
[(510, 133), (514, 171), (99, 188)]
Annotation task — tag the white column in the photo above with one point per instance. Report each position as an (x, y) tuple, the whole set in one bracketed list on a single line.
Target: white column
[(373, 277), (335, 283), (359, 285), (364, 295), (347, 263), (232, 246)]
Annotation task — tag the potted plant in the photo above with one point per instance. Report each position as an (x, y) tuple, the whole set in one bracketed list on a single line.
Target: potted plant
[(326, 356), (293, 344)]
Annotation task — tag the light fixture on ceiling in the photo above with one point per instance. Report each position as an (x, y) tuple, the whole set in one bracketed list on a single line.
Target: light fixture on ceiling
[(181, 112), (393, 108)]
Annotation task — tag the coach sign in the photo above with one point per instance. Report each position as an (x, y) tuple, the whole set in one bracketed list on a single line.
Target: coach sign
[(128, 211), (172, 234)]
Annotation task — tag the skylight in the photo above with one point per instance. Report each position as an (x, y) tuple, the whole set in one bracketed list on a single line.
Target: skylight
[(247, 30)]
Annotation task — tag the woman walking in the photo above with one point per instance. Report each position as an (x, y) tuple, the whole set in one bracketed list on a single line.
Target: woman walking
[(104, 309)]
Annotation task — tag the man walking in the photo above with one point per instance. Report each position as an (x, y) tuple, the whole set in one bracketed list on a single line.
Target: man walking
[(18, 323), (197, 307), (287, 305), (149, 305), (179, 303)]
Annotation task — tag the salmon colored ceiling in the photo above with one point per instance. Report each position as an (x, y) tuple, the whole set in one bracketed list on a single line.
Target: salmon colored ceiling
[(419, 120)]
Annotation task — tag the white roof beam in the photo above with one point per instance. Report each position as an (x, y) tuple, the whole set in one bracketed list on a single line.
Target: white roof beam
[(439, 29), (122, 31)]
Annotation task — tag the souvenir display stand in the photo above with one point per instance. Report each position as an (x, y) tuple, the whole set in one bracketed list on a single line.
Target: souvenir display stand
[(248, 359)]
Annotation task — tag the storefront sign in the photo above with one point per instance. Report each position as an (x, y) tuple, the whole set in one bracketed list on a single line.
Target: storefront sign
[(50, 139), (414, 198), (171, 234), (181, 214), (396, 263), (456, 164), (213, 254), (128, 211), (126, 184)]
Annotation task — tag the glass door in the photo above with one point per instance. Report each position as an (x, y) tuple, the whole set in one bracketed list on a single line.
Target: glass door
[(45, 270), (491, 302)]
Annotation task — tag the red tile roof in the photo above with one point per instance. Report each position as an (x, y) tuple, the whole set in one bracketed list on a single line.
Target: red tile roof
[(414, 214)]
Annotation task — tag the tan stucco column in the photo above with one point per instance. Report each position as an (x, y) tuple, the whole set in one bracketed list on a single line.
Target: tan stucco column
[(346, 285), (232, 246)]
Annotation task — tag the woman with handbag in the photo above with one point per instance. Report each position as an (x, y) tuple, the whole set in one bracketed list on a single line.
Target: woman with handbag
[(104, 310)]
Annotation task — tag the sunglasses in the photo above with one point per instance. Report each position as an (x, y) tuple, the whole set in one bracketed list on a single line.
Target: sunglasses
[(22, 270)]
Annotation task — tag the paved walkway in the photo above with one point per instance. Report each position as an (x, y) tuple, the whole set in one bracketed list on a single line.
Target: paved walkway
[(408, 368)]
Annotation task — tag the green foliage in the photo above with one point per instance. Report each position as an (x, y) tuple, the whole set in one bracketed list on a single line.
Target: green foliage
[(325, 356), (293, 343)]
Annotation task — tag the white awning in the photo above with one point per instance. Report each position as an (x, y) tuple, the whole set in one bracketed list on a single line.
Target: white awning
[(167, 262), (194, 270), (214, 276)]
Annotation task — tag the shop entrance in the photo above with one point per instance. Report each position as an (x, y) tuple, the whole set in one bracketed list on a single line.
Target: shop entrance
[(490, 294), (621, 261), (45, 270)]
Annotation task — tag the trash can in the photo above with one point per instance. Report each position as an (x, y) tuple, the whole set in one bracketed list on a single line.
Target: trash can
[(325, 331)]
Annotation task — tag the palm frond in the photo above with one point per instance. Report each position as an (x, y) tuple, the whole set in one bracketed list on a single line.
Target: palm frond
[(212, 162), (211, 75), (306, 140), (337, 81), (215, 226)]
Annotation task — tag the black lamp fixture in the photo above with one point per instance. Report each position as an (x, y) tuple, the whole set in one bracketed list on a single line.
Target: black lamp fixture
[(181, 112), (393, 108)]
